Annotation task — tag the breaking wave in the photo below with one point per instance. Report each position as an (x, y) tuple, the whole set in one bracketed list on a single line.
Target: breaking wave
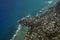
[(50, 2), (18, 29)]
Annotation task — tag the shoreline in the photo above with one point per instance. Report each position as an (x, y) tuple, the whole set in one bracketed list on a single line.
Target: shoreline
[(46, 10)]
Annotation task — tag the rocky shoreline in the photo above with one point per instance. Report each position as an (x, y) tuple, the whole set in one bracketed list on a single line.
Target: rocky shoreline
[(44, 27)]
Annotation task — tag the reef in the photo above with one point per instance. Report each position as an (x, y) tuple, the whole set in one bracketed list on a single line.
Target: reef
[(44, 27)]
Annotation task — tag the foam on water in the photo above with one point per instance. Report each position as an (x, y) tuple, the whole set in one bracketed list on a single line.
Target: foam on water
[(23, 18), (50, 2), (18, 29), (28, 15), (37, 14)]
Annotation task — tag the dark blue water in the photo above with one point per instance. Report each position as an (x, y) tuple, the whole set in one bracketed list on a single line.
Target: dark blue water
[(12, 10)]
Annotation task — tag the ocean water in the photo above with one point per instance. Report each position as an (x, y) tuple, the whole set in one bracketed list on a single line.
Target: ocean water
[(13, 10)]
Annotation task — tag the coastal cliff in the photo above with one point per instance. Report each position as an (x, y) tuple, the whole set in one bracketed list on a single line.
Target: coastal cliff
[(44, 27)]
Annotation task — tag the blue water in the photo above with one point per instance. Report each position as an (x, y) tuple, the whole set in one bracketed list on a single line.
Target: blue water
[(12, 10)]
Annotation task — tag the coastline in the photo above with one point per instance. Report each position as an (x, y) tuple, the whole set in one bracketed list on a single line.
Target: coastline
[(17, 37), (47, 24)]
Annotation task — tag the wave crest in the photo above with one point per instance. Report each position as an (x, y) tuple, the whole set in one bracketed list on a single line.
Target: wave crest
[(18, 29)]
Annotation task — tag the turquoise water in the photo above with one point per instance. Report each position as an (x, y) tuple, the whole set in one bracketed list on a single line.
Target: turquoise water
[(13, 10), (23, 30)]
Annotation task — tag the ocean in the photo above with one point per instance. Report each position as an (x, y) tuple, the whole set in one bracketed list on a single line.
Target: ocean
[(13, 10)]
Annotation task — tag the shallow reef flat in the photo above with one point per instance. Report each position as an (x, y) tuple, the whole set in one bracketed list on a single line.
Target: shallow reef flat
[(44, 27)]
